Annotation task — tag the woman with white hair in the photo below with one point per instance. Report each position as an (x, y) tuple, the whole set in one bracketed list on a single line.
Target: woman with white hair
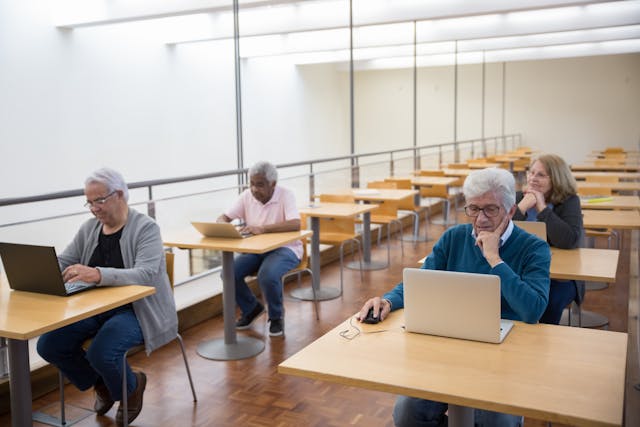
[(119, 246)]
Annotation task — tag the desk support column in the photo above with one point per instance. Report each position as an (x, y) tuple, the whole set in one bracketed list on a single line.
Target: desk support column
[(367, 264), (460, 416), (20, 383), (231, 347), (322, 294)]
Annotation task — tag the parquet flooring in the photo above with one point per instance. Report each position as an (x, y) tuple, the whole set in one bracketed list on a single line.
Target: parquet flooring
[(251, 393)]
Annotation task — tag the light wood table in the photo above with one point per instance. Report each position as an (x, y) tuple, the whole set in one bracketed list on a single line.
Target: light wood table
[(26, 315), (373, 195), (623, 176), (581, 264), (329, 210), (564, 375), (621, 220), (605, 167), (614, 186), (461, 173), (231, 347), (611, 202)]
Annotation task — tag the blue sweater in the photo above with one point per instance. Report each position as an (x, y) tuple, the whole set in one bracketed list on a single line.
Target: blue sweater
[(524, 274)]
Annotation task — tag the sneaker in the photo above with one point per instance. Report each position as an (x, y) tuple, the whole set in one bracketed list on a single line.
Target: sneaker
[(246, 320), (134, 401), (276, 327), (103, 402)]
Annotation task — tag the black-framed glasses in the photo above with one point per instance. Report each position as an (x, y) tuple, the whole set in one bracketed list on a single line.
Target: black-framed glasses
[(99, 201), (489, 210)]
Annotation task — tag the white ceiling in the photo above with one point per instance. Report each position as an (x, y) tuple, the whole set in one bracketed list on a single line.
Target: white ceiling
[(311, 31)]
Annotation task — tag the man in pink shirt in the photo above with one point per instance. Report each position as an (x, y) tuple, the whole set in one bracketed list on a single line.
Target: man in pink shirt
[(264, 208)]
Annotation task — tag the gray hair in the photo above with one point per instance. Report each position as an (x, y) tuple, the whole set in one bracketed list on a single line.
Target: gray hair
[(264, 168), (111, 179), (498, 181)]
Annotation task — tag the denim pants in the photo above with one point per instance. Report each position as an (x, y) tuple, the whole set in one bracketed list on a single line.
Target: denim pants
[(414, 412), (113, 333), (271, 266), (561, 293)]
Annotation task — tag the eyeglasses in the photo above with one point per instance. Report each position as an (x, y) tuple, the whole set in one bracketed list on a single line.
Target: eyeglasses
[(489, 210), (537, 175), (99, 201)]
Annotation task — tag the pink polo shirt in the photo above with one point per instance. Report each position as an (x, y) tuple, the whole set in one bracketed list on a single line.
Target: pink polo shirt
[(281, 207)]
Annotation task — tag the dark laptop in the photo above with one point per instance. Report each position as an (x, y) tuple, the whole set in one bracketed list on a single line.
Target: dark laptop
[(34, 268)]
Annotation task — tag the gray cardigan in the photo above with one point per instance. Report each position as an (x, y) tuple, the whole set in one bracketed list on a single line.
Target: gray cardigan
[(144, 264)]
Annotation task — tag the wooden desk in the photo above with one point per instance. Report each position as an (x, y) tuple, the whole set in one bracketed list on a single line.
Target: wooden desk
[(483, 165), (623, 176), (605, 168), (611, 202), (373, 195), (25, 315), (460, 173), (615, 186), (564, 375), (598, 265), (329, 210), (621, 220), (232, 347)]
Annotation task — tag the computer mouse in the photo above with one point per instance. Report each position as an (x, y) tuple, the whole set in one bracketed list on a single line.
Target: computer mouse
[(370, 319)]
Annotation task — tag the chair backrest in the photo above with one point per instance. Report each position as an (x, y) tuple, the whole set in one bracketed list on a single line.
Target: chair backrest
[(169, 258), (337, 198), (404, 184), (594, 191), (602, 178), (457, 166), (439, 191), (382, 184), (537, 228), (430, 172), (344, 225), (614, 150), (401, 183)]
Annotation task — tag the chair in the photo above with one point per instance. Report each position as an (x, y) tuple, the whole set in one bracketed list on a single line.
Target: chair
[(607, 233), (537, 228), (408, 205), (441, 193), (169, 259), (340, 231), (386, 214), (303, 267)]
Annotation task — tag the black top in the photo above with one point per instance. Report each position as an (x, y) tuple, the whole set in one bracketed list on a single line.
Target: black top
[(564, 222), (108, 253)]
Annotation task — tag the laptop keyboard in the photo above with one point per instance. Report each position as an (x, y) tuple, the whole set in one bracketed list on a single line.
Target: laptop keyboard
[(74, 286)]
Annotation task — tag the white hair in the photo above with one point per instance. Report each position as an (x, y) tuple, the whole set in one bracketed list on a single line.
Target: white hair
[(111, 179), (498, 181), (264, 168)]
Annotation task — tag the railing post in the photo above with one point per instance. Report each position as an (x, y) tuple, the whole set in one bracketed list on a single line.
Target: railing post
[(355, 174), (312, 186), (439, 156), (391, 165), (151, 205), (416, 159)]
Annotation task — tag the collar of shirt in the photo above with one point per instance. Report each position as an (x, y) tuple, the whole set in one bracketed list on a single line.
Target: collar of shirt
[(505, 235)]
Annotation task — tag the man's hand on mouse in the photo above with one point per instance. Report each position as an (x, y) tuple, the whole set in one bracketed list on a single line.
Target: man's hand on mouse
[(379, 305)]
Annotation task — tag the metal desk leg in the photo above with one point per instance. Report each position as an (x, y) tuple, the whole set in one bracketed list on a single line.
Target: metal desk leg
[(20, 383), (233, 347), (367, 263), (322, 294)]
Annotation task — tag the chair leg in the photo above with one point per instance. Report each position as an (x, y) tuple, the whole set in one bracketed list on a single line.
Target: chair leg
[(341, 264), (63, 419), (358, 245), (186, 365)]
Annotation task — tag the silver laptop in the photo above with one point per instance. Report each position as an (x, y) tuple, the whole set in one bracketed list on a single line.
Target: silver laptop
[(453, 304), (219, 229), (34, 268)]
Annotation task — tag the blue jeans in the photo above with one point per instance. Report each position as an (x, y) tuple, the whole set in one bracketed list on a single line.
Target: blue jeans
[(561, 293), (414, 412), (113, 333), (271, 266)]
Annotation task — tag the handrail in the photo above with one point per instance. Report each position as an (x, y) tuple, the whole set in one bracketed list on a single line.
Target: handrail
[(356, 157)]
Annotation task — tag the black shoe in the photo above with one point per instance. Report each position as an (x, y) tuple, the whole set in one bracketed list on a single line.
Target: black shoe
[(276, 327), (103, 402), (246, 320), (134, 401)]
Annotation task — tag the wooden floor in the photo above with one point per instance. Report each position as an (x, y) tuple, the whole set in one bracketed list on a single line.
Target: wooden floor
[(251, 393)]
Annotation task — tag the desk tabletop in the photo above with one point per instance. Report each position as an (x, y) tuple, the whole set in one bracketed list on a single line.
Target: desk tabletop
[(594, 264), (434, 180), (449, 172), (25, 315), (599, 265), (336, 210), (615, 186), (623, 219), (630, 176), (610, 202), (191, 239), (605, 167), (377, 194), (567, 375)]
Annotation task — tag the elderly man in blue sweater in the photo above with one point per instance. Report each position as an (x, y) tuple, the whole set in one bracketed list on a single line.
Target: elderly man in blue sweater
[(491, 244)]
